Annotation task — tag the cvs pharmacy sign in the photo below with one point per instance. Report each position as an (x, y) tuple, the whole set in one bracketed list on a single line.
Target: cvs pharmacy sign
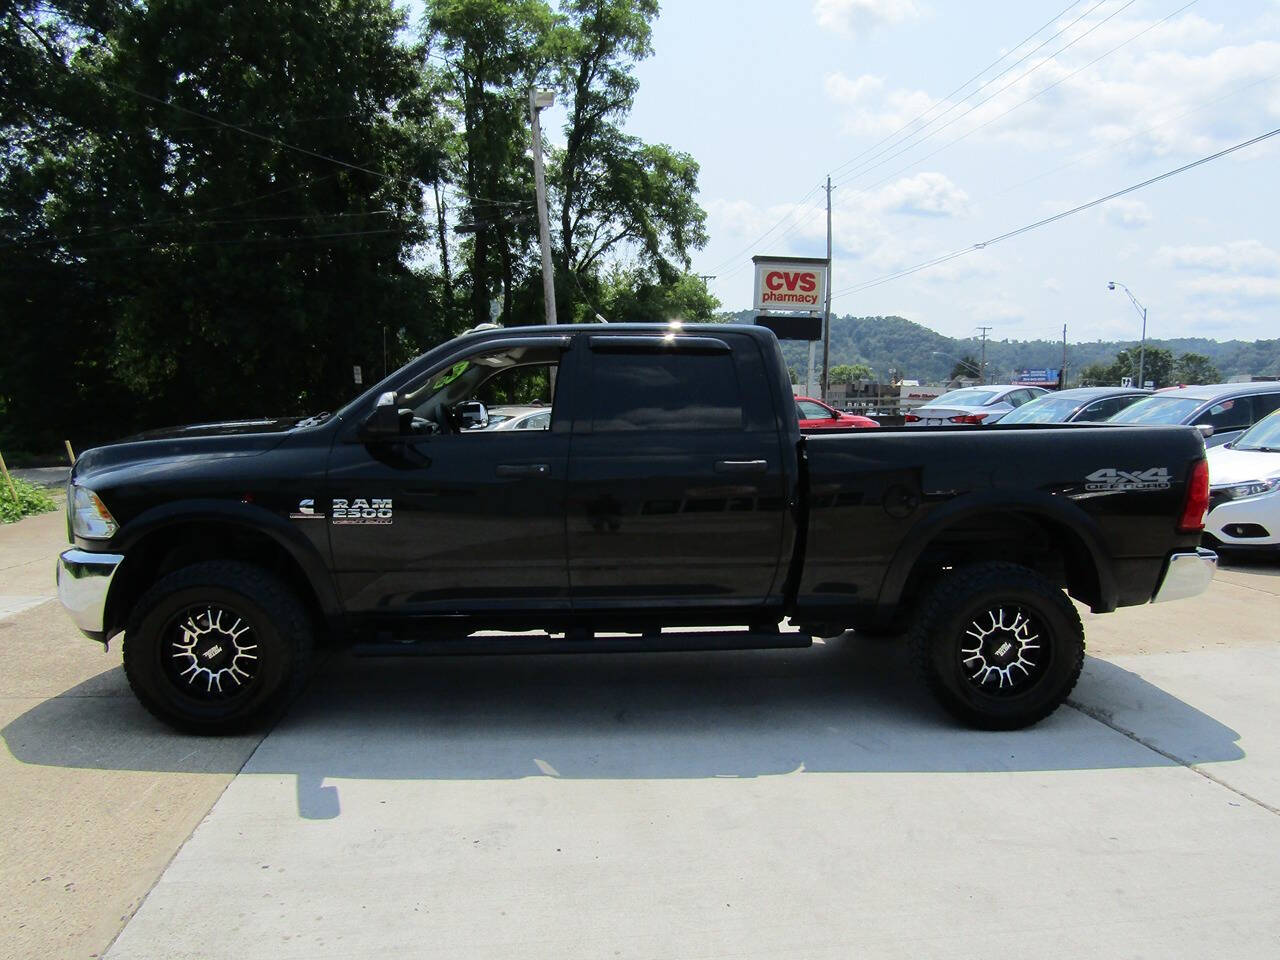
[(790, 284)]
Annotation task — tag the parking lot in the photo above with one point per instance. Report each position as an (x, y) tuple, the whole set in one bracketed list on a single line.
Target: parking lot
[(810, 803)]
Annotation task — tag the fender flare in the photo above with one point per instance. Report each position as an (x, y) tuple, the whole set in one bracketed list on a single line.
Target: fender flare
[(250, 518), (1033, 503)]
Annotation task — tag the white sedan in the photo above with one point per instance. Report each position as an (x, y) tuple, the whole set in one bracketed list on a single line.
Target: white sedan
[(1244, 488), (972, 405)]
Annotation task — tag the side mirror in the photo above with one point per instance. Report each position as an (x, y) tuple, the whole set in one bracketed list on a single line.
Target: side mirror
[(384, 422), (473, 415), (1206, 429)]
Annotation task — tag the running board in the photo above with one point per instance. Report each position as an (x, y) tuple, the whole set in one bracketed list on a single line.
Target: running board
[(545, 643)]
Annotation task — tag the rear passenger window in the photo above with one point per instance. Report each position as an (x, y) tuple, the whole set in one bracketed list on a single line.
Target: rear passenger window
[(1235, 414), (1265, 403), (650, 391)]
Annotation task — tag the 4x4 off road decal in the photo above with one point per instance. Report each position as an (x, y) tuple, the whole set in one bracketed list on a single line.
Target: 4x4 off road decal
[(1109, 478), (374, 510)]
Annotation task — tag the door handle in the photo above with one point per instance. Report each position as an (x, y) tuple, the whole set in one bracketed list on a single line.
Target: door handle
[(524, 469), (742, 466)]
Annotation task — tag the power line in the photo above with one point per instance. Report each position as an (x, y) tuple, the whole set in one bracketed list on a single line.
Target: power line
[(1021, 103), (750, 246), (1056, 217), (937, 103)]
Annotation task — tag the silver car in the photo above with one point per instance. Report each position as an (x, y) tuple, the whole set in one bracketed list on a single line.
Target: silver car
[(1081, 405), (972, 405), (519, 418), (1222, 411)]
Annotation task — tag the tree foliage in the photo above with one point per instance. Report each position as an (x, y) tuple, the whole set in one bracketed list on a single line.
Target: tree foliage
[(216, 210), (1195, 368), (851, 372)]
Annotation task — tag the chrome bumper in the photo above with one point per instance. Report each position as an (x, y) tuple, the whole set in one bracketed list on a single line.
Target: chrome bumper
[(84, 580), (1188, 575)]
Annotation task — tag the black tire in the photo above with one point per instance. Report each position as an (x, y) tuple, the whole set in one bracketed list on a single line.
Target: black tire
[(197, 669), (998, 645)]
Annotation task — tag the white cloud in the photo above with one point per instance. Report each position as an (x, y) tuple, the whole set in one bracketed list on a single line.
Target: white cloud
[(1127, 214), (856, 16), (1250, 288), (1238, 257), (925, 194)]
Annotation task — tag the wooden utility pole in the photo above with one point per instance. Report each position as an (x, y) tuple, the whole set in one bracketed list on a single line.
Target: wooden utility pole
[(983, 368), (826, 316)]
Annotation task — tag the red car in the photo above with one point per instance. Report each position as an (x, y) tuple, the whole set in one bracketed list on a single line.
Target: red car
[(816, 415)]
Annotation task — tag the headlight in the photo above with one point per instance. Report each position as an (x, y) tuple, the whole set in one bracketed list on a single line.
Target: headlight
[(90, 517), (1253, 488)]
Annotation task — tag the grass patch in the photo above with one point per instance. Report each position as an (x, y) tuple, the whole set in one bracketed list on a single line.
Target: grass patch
[(31, 500)]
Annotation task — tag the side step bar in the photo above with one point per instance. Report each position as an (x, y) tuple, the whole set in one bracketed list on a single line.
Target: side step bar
[(585, 643)]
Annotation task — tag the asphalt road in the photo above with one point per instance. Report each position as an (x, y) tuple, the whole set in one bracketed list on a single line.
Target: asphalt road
[(782, 804)]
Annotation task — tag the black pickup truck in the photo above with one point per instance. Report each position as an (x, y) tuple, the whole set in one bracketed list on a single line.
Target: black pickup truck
[(670, 502)]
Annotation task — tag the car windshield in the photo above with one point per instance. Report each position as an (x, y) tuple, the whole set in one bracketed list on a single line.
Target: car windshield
[(967, 397), (1158, 410), (1263, 435), (1043, 410)]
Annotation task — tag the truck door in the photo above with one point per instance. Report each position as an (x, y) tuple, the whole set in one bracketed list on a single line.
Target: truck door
[(451, 518), (676, 489)]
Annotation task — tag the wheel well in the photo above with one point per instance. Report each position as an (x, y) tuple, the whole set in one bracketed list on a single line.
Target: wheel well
[(173, 547), (1048, 547)]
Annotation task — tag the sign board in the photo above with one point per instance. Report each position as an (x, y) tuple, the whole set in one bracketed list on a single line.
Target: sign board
[(1038, 375), (1150, 384), (791, 284), (792, 328), (914, 395), (358, 375), (1126, 382)]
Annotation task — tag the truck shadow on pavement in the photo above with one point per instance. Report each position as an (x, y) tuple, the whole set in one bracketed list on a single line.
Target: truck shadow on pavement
[(848, 706)]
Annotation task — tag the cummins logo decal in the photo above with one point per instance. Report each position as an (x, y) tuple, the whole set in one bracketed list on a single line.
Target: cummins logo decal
[(374, 510), (1109, 478), (306, 511)]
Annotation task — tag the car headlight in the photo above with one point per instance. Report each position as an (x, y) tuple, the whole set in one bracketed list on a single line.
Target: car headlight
[(90, 517), (1251, 488)]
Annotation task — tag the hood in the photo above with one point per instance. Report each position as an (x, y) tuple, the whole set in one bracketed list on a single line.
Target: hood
[(226, 428), (1238, 466)]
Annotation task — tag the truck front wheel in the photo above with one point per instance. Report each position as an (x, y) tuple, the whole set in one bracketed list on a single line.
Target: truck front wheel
[(998, 645), (217, 647)]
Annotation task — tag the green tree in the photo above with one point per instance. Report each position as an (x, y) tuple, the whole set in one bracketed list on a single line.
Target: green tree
[(966, 366), (1195, 368), (849, 372), (1157, 366)]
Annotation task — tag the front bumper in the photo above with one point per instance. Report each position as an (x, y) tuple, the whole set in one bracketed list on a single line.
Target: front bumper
[(1187, 575), (84, 580)]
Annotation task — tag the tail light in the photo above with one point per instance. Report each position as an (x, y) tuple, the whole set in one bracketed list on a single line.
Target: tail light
[(910, 418), (970, 418), (1197, 500)]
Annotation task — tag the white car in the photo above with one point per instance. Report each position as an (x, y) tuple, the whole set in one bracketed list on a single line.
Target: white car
[(519, 418), (1244, 489), (972, 405)]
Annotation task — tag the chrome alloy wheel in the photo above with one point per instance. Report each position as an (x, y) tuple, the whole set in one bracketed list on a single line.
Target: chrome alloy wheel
[(211, 653), (1001, 651)]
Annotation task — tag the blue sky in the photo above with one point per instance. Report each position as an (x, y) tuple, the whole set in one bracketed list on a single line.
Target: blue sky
[(769, 97)]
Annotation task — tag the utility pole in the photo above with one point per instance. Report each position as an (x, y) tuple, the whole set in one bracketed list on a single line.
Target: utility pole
[(826, 317), (1062, 371), (984, 353), (538, 99)]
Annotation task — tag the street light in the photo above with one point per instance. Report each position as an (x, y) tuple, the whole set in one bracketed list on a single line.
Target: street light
[(538, 101), (1142, 348)]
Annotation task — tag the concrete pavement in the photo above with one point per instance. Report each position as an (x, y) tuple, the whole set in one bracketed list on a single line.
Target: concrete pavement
[(765, 804)]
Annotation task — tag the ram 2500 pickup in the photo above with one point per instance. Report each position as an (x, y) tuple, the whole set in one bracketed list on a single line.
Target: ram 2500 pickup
[(672, 488)]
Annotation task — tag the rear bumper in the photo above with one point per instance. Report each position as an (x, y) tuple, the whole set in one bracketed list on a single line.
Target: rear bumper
[(1187, 575), (84, 580)]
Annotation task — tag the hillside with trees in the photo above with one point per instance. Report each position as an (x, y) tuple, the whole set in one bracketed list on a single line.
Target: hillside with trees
[(916, 352)]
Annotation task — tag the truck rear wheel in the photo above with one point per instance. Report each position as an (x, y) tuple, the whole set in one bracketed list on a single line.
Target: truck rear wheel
[(998, 645), (217, 647)]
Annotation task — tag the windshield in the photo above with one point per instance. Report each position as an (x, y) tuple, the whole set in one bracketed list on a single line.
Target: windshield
[(968, 397), (1158, 410), (1263, 435), (1043, 410)]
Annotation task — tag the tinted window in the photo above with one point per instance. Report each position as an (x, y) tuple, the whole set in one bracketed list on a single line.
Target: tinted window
[(1100, 410), (1234, 414), (1018, 397), (1265, 403), (650, 391)]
